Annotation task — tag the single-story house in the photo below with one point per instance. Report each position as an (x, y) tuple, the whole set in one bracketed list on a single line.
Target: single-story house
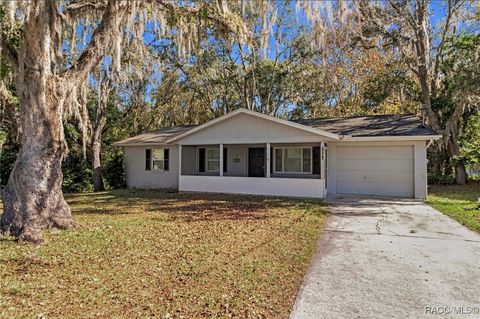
[(247, 152)]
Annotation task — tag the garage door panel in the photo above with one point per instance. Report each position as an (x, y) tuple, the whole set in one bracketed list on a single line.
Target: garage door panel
[(375, 188), (374, 176), (376, 165), (375, 152), (377, 170)]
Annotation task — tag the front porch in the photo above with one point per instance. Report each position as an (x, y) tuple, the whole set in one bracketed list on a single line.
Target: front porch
[(273, 169)]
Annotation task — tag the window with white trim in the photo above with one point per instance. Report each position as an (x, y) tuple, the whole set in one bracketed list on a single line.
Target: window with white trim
[(293, 160), (213, 159), (160, 159)]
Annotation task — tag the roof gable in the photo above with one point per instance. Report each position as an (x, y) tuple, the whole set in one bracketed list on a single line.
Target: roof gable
[(245, 124)]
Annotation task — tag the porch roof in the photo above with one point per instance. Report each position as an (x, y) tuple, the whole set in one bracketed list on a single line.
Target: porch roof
[(159, 137), (269, 119)]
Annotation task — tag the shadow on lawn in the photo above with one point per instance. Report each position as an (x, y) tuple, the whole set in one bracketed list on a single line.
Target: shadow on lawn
[(188, 207)]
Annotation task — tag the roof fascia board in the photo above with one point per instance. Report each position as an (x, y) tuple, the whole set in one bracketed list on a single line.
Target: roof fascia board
[(347, 138), (142, 144)]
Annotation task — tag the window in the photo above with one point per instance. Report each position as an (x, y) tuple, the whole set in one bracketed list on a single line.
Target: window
[(307, 160), (209, 160), (293, 160), (213, 159), (160, 158)]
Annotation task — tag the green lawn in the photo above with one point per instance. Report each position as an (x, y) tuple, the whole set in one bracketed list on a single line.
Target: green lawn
[(459, 202), (143, 254)]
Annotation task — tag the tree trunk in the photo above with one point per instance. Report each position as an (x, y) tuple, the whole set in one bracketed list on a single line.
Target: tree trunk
[(454, 151), (33, 198), (98, 185), (460, 173), (99, 124)]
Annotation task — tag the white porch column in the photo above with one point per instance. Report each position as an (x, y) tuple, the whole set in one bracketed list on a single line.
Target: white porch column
[(268, 160), (221, 159), (322, 160), (179, 159)]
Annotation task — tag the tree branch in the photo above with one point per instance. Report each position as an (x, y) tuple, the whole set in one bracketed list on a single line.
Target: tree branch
[(100, 43), (441, 46), (76, 5), (227, 21)]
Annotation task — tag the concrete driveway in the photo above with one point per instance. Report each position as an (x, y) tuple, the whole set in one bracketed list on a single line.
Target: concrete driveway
[(391, 258)]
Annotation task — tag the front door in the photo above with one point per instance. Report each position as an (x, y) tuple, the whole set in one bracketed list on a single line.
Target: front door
[(256, 162)]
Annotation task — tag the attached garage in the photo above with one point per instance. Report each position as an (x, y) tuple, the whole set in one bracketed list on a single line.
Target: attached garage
[(383, 168), (375, 170), (384, 155)]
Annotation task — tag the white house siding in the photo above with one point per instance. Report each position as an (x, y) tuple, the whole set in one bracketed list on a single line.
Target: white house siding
[(236, 160), (293, 187), (378, 168), (248, 129), (138, 177), (189, 160)]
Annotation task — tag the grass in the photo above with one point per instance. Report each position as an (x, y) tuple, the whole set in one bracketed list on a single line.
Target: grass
[(459, 202), (143, 254)]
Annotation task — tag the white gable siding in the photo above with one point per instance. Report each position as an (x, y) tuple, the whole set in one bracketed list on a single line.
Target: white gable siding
[(245, 128)]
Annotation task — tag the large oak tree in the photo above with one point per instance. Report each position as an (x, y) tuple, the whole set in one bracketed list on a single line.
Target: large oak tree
[(51, 84)]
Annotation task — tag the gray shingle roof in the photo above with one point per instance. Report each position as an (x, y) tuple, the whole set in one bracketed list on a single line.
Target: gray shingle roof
[(156, 137), (375, 125)]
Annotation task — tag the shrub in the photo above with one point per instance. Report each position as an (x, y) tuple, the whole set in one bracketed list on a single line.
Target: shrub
[(474, 178), (436, 179), (77, 175), (113, 169), (8, 155)]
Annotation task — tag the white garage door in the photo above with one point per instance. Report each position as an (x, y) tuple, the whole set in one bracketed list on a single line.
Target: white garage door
[(379, 170)]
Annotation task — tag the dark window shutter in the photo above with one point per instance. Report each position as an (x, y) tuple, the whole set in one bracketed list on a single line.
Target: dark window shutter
[(316, 160), (148, 159), (201, 160), (166, 159), (225, 159)]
